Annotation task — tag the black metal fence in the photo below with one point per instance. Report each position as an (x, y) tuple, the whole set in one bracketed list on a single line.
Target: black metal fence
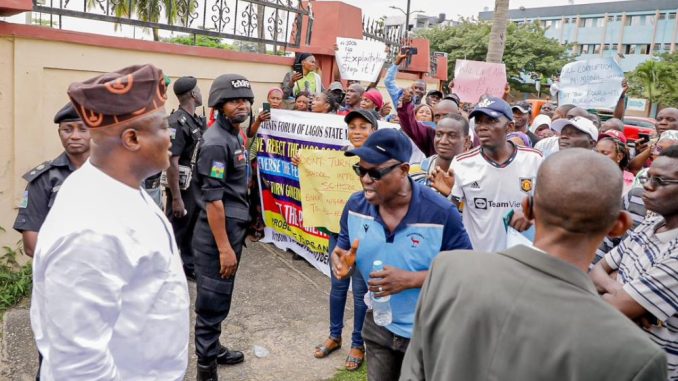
[(275, 22), (392, 37)]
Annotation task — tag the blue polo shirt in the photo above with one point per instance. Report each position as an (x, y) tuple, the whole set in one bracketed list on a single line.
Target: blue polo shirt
[(432, 224)]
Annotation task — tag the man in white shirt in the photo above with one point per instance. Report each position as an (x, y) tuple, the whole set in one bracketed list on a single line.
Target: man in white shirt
[(493, 178), (110, 300)]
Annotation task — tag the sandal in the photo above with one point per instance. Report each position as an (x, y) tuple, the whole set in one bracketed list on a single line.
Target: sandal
[(355, 358), (330, 345)]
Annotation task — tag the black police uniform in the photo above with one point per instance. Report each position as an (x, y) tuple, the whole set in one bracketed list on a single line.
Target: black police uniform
[(223, 174), (186, 132), (44, 182)]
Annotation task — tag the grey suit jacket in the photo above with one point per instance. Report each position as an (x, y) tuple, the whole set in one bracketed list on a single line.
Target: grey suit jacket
[(522, 315)]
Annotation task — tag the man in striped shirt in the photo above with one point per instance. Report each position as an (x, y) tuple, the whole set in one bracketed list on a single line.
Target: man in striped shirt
[(640, 276)]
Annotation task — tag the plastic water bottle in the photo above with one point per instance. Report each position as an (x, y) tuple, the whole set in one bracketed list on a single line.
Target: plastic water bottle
[(381, 307)]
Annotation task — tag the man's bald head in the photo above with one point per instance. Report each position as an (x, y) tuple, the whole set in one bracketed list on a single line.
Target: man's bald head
[(612, 124), (443, 108), (561, 111), (577, 205), (578, 111)]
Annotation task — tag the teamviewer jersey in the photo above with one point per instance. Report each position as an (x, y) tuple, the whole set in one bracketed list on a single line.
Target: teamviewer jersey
[(490, 190)]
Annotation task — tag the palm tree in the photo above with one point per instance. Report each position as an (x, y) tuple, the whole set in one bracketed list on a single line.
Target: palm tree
[(495, 50), (150, 11)]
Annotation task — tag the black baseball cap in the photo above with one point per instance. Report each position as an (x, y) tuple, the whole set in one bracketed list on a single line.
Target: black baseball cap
[(493, 107), (523, 106), (437, 93), (362, 113), (383, 145)]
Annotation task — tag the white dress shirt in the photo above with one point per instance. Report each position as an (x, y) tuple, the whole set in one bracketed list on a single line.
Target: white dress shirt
[(110, 300)]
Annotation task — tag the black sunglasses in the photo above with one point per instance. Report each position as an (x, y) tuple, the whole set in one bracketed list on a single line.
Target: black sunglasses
[(656, 181), (374, 173)]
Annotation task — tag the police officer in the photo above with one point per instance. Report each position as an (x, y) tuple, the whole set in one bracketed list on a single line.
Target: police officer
[(186, 130), (223, 176), (45, 180)]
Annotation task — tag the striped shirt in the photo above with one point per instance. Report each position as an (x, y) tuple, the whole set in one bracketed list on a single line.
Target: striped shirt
[(647, 263), (633, 203)]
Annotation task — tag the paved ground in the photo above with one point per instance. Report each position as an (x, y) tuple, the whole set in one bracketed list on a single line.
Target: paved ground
[(279, 304)]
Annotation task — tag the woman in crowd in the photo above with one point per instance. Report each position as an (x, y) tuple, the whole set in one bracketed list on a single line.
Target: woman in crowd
[(305, 80), (256, 228), (541, 126), (423, 113), (361, 124), (616, 150), (302, 102), (325, 103), (372, 100)]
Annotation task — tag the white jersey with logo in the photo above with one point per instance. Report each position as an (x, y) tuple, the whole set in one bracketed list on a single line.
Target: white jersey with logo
[(489, 190)]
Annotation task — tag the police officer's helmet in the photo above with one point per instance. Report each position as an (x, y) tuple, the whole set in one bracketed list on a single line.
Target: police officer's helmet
[(229, 86)]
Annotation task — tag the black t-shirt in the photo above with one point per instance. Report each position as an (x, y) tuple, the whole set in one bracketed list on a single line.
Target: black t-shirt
[(44, 182), (186, 131), (223, 171)]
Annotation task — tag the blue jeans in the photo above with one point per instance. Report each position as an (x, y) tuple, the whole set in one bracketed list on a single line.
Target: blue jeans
[(338, 295)]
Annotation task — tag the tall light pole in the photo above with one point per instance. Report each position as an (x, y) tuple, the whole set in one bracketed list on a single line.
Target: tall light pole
[(407, 15)]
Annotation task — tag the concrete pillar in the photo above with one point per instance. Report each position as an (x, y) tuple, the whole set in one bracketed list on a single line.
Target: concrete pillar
[(576, 35), (602, 42), (620, 47), (654, 32), (675, 33)]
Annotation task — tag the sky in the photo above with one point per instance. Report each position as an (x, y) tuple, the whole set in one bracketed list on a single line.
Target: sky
[(452, 8)]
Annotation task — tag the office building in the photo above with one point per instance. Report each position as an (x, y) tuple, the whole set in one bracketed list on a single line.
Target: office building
[(629, 31)]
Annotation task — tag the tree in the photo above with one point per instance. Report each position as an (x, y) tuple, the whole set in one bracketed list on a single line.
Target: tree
[(495, 51), (150, 11), (656, 80), (528, 50)]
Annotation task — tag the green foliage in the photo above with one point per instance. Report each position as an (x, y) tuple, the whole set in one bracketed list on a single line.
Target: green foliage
[(656, 80), (206, 41), (15, 280), (528, 50), (345, 375)]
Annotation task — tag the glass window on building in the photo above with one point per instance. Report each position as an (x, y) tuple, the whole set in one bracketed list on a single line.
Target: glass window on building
[(556, 24), (649, 20), (596, 49), (584, 49), (662, 16), (607, 47), (566, 20), (672, 16), (642, 49), (618, 17), (610, 18), (657, 48), (599, 22), (629, 49)]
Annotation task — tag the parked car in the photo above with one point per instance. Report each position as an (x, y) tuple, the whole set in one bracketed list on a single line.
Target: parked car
[(635, 125)]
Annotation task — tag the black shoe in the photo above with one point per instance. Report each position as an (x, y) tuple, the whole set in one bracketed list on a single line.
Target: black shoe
[(227, 357), (207, 372)]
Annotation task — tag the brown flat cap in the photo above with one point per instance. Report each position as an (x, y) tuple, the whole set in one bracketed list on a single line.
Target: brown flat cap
[(120, 96)]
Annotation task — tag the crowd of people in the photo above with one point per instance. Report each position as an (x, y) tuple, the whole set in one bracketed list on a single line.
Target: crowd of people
[(523, 246)]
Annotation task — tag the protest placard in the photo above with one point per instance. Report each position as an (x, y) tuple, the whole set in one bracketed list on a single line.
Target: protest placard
[(473, 79), (593, 83), (280, 139), (360, 60), (327, 181)]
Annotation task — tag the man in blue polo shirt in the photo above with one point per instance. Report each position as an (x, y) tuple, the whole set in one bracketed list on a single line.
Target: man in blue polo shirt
[(403, 224)]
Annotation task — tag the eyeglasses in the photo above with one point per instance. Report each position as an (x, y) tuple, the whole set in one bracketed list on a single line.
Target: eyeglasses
[(656, 181), (374, 173)]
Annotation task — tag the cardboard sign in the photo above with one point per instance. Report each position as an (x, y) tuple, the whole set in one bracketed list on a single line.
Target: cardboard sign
[(594, 83), (473, 79), (360, 60), (327, 181)]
